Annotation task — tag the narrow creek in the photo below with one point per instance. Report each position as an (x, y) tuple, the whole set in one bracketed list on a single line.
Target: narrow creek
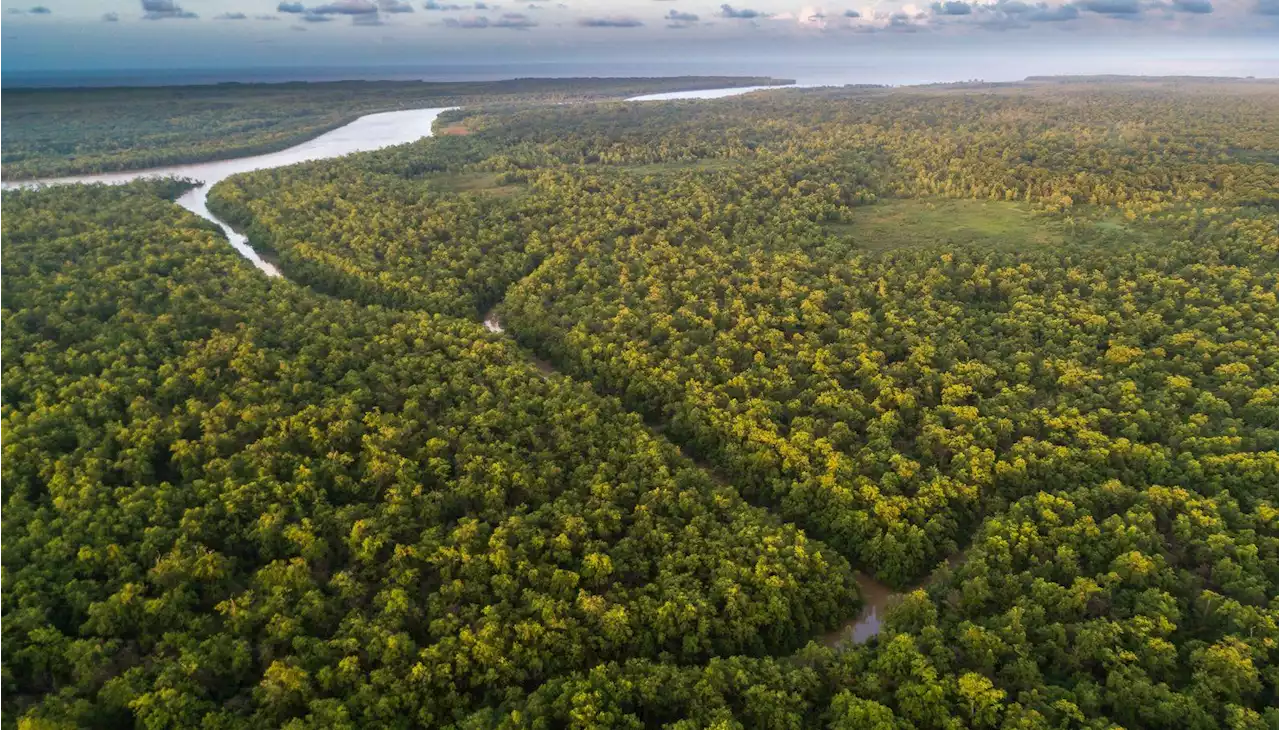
[(375, 131), (876, 596), (860, 628), (876, 599)]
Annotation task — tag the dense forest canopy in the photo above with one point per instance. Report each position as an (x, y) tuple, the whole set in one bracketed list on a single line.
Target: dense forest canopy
[(52, 132), (213, 480), (1028, 329)]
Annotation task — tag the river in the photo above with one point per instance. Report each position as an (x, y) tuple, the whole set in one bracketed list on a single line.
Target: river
[(370, 132), (375, 131), (704, 94), (875, 601)]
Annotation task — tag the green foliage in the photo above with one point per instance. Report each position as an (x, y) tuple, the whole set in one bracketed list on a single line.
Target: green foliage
[(948, 223), (51, 132), (1068, 612), (766, 311), (230, 501), (1037, 323)]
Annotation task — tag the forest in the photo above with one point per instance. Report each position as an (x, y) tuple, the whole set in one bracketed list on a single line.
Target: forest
[(1009, 350), (222, 471), (57, 132)]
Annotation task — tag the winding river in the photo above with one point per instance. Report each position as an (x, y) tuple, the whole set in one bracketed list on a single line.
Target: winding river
[(372, 132)]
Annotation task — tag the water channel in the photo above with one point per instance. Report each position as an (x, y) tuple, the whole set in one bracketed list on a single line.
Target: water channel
[(370, 132), (375, 131)]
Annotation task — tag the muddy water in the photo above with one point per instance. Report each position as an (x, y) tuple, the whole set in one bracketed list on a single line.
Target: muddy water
[(875, 598)]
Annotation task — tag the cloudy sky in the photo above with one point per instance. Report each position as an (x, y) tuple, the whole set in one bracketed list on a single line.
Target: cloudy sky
[(956, 38)]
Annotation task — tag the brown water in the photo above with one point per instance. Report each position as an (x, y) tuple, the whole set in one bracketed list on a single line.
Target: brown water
[(877, 598), (875, 601)]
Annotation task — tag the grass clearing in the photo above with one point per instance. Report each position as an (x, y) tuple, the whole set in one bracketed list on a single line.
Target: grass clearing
[(916, 223), (897, 223), (486, 183)]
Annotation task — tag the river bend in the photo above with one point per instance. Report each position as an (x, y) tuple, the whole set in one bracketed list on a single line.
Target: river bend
[(370, 132), (373, 132)]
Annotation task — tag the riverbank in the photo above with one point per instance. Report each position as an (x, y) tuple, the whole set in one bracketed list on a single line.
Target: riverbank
[(125, 129), (375, 131)]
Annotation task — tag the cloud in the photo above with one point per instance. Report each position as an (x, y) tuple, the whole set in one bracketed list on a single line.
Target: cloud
[(231, 16), (299, 28), (394, 6), (367, 19), (1046, 14), (1004, 15), (477, 21), (852, 14), (294, 8), (613, 21), (1267, 7), (728, 11), (433, 5), (40, 10), (480, 6), (1198, 7), (515, 21), (1111, 7), (812, 17), (952, 7), (899, 22), (678, 19), (111, 17), (162, 9), (266, 17), (345, 7)]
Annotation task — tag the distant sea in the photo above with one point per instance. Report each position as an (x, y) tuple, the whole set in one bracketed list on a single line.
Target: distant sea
[(814, 72)]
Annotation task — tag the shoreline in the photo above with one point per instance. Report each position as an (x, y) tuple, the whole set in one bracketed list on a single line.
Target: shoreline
[(711, 83)]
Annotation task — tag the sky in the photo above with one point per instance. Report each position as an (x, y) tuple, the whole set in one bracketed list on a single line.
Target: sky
[(850, 41)]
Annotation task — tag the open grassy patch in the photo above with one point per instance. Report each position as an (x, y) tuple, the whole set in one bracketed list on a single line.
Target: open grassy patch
[(904, 223), (488, 183)]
